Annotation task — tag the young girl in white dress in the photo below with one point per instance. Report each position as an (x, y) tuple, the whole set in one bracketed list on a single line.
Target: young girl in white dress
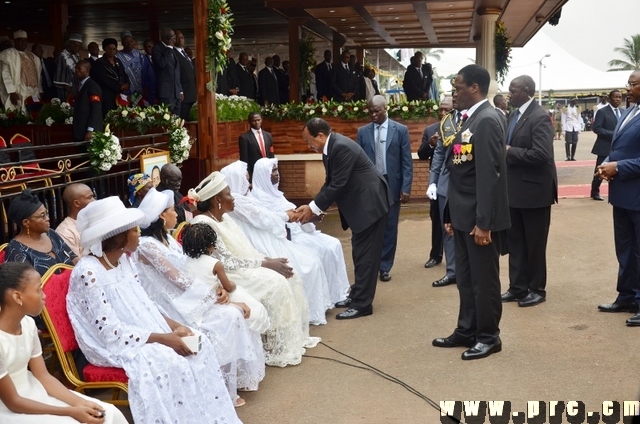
[(198, 243), (33, 396)]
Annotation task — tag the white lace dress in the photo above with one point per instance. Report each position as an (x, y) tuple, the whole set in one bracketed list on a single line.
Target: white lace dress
[(283, 298), (267, 232), (202, 269), (113, 318), (193, 302), (15, 353)]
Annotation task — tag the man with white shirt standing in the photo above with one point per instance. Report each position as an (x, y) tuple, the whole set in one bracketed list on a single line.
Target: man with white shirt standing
[(605, 122), (533, 188), (622, 169), (571, 125)]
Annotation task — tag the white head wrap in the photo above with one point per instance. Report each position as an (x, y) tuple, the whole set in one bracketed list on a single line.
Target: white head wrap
[(236, 174), (103, 219), (20, 34), (153, 204), (264, 190), (208, 187)]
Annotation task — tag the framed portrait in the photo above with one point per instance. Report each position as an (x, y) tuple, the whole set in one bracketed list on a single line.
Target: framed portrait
[(152, 163)]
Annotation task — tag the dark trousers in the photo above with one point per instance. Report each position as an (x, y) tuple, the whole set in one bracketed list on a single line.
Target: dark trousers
[(366, 249), (626, 234), (527, 243), (595, 184), (390, 237), (478, 280), (436, 231), (172, 104), (185, 109)]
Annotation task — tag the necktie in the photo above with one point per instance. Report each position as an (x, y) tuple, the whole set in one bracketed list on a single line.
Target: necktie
[(346, 66), (379, 145), (456, 118), (329, 65), (184, 53), (630, 116), (261, 142), (617, 114), (421, 74), (45, 72), (512, 125)]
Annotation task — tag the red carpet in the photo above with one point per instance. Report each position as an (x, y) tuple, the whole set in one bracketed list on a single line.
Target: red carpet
[(578, 191)]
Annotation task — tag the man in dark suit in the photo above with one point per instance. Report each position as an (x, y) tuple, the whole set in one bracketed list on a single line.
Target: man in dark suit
[(603, 125), (621, 169), (413, 83), (187, 77), (255, 144), (386, 143), (283, 78), (245, 79), (46, 75), (343, 80), (268, 83), (227, 82), (87, 110), (363, 200), (533, 188), (167, 72), (323, 76), (478, 215)]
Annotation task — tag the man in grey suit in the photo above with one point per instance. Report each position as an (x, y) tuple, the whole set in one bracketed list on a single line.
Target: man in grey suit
[(477, 214), (387, 144), (604, 123), (167, 71), (363, 200), (533, 188)]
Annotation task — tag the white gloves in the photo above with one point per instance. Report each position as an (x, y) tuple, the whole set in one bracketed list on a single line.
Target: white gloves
[(431, 192)]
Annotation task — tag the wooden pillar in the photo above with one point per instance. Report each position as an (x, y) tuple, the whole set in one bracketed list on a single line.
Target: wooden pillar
[(207, 146), (59, 12), (360, 55), (294, 58)]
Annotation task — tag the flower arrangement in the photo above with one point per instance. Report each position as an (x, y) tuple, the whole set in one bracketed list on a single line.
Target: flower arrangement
[(56, 112), (503, 51), (13, 117), (219, 32), (140, 119), (179, 142), (356, 110), (104, 150), (229, 108)]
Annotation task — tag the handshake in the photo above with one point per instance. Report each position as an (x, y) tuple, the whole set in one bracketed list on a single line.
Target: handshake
[(303, 215), (432, 192)]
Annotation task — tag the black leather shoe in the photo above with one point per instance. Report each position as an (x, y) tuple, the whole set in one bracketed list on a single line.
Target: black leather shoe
[(452, 341), (510, 297), (431, 263), (634, 321), (385, 276), (597, 197), (355, 313), (444, 281), (482, 350), (532, 299), (618, 307), (343, 303)]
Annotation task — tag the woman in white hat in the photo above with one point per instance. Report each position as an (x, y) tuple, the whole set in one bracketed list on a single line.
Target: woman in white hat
[(117, 325), (264, 278), (161, 263), (265, 181)]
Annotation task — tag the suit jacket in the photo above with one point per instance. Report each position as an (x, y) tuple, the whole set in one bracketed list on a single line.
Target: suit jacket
[(250, 148), (624, 189), (603, 125), (109, 78), (245, 83), (342, 81), (477, 194), (426, 150), (323, 80), (167, 72), (283, 84), (531, 168), (352, 182), (187, 77), (268, 83), (228, 79), (87, 110), (413, 84), (439, 174), (399, 161)]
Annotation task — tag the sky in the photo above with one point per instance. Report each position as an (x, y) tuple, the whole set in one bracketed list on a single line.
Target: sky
[(580, 47)]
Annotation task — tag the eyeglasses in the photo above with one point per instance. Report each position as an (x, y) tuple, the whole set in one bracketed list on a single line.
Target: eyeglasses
[(632, 84), (43, 215)]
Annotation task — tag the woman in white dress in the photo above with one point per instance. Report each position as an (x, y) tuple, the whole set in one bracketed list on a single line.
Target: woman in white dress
[(117, 325), (269, 280), (184, 298), (265, 181), (32, 395), (268, 233)]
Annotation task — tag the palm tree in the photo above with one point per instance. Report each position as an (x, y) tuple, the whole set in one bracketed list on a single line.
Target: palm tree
[(434, 53), (631, 52)]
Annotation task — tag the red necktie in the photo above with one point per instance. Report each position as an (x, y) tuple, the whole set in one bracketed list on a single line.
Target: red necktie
[(261, 142)]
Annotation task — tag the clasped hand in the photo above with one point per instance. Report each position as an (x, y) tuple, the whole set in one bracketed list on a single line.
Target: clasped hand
[(607, 171)]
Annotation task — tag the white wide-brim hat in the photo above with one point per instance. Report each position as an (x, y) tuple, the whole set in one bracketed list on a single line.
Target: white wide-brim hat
[(103, 219), (153, 204), (209, 187)]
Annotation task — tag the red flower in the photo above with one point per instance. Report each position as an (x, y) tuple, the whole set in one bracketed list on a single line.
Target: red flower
[(11, 115), (223, 11)]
